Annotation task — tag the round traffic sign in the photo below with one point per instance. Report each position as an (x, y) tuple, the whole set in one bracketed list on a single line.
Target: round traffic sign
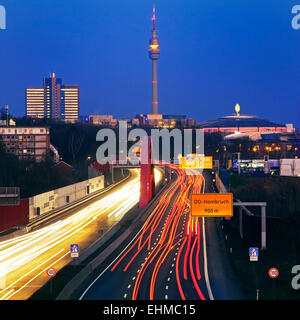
[(273, 273), (51, 272)]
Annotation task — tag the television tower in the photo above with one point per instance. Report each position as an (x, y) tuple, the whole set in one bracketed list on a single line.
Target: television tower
[(154, 54)]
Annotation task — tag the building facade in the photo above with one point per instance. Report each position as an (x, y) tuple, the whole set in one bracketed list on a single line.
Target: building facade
[(167, 121), (53, 101), (26, 142), (35, 106), (244, 124), (103, 120), (70, 103)]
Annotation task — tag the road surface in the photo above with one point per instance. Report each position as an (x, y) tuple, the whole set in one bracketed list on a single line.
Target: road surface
[(25, 259), (168, 256)]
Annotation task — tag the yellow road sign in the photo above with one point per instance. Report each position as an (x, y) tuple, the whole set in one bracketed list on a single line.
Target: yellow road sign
[(205, 162), (188, 162), (212, 205), (195, 161)]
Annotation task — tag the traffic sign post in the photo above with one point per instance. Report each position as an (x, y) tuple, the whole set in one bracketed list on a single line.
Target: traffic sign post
[(253, 254), (273, 274), (205, 162), (212, 205), (74, 249), (51, 272), (196, 161)]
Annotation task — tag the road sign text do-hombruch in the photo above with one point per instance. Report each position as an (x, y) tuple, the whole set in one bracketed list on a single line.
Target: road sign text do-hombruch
[(212, 205)]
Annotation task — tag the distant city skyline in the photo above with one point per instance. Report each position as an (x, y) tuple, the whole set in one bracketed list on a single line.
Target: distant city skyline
[(54, 100), (213, 56)]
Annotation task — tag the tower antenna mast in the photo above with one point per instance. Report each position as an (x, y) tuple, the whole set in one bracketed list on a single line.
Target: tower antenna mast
[(154, 53)]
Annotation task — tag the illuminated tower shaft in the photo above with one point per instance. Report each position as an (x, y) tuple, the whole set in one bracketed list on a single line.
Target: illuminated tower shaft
[(154, 53), (154, 88)]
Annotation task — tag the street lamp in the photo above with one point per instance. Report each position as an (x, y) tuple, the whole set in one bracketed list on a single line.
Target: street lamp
[(6, 108)]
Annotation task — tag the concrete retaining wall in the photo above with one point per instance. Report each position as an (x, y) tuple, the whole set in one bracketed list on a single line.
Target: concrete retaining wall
[(58, 198)]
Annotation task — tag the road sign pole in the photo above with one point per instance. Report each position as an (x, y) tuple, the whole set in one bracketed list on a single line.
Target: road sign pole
[(254, 276), (257, 294), (273, 273), (51, 287), (263, 228)]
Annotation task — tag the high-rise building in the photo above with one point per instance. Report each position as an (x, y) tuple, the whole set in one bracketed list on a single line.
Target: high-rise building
[(70, 103), (154, 53), (52, 90), (54, 100), (35, 103)]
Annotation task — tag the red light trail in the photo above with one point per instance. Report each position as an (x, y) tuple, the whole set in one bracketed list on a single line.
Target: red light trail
[(175, 197)]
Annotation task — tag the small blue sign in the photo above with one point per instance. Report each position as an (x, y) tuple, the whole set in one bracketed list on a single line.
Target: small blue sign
[(253, 252), (74, 248)]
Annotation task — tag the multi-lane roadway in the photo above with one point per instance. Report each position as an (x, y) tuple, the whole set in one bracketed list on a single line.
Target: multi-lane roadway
[(25, 259), (168, 257), (172, 256), (164, 259)]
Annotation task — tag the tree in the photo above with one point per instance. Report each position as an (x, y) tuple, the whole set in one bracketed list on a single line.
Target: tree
[(76, 140)]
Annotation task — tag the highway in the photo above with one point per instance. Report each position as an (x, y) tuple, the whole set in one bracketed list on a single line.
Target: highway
[(25, 259), (163, 260), (167, 259)]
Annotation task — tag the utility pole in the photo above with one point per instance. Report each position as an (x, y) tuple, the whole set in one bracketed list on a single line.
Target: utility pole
[(239, 163), (6, 108)]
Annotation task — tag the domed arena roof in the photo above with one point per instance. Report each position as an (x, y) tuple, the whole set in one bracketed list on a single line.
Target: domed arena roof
[(240, 121)]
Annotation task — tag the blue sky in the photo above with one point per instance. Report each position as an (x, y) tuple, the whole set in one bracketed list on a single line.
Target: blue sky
[(214, 54)]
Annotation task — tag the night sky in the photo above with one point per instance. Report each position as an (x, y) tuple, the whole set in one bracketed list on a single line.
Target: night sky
[(214, 54)]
